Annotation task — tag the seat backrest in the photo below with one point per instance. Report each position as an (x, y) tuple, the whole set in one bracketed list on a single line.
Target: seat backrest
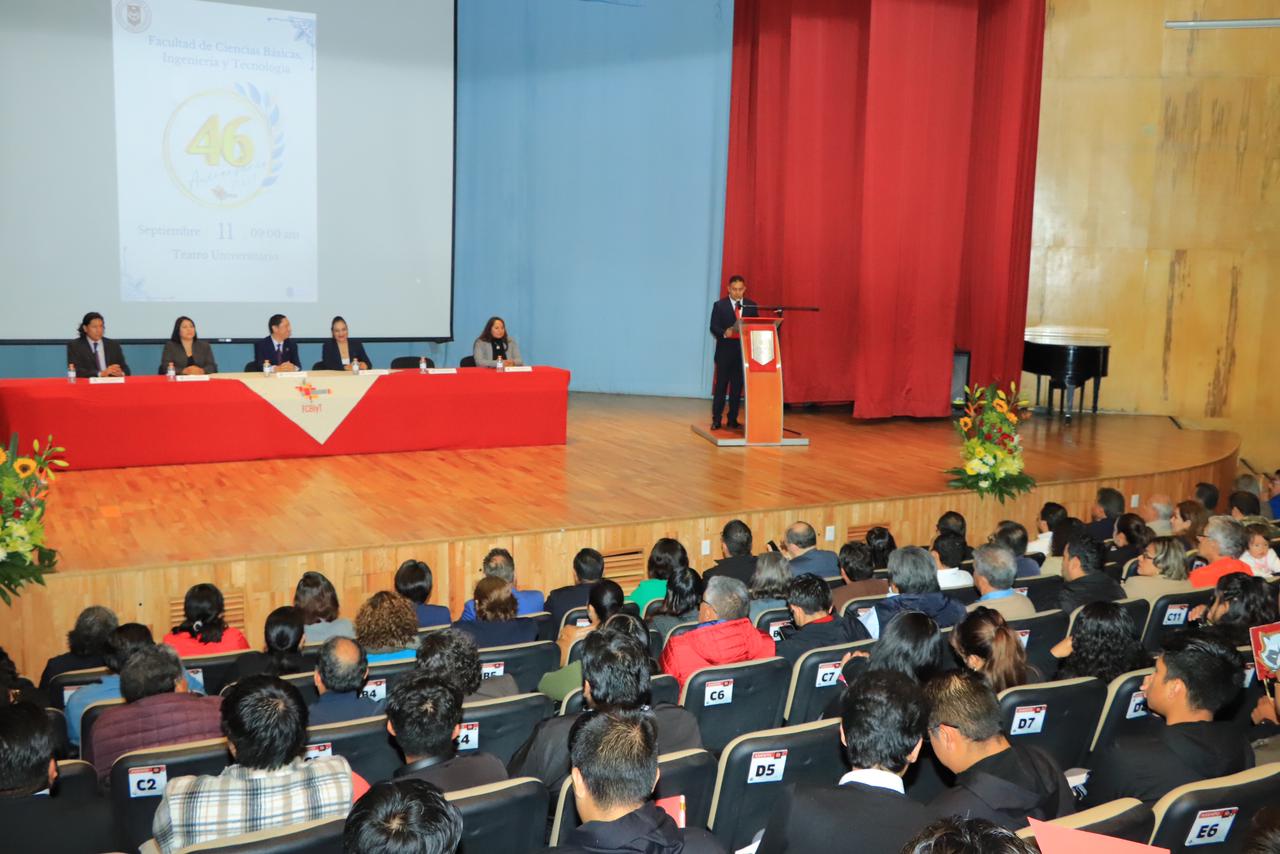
[(1125, 711), (963, 595), (306, 685), (1038, 634), (363, 742), (467, 362), (62, 686), (815, 680), (383, 677), (317, 366), (138, 779), (527, 662), (77, 819), (501, 726), (754, 768), (323, 836), (403, 362), (213, 671), (61, 742), (860, 606), (664, 688), (730, 700), (1058, 717), (687, 773), (774, 621), (1170, 614), (655, 644), (572, 617), (677, 630), (1217, 811), (510, 816), (652, 608), (575, 651), (1042, 590), (1126, 818), (89, 719), (573, 702), (546, 628), (1139, 610)]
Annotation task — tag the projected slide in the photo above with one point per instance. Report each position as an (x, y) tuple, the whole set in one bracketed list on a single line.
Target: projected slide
[(215, 113)]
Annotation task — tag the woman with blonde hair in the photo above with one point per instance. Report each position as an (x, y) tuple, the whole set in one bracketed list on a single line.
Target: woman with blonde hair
[(1161, 570)]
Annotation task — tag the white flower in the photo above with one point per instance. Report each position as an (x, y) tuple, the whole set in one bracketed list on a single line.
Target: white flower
[(983, 484)]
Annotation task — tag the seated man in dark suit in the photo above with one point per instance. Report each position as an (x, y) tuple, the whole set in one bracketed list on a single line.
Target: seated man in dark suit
[(424, 715), (995, 780), (1084, 579), (882, 728), (340, 674), (1196, 674), (278, 348), (615, 675), (93, 355), (809, 601), (1108, 505), (615, 769), (738, 561), (801, 548), (588, 568)]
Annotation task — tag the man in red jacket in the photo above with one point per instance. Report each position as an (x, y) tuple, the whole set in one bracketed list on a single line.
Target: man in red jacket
[(725, 635)]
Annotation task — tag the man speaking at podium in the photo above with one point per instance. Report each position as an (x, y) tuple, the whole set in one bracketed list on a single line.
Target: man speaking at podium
[(724, 314)]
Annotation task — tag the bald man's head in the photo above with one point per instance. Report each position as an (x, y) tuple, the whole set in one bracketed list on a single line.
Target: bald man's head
[(343, 666)]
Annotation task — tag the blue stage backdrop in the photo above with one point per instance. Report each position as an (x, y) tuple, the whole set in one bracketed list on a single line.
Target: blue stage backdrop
[(592, 140)]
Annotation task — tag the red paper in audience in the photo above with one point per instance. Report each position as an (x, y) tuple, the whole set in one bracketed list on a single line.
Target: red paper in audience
[(1055, 839), (674, 807), (1266, 649)]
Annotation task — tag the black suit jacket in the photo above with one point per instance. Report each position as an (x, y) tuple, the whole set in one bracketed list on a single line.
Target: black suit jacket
[(80, 354), (264, 350), (814, 635), (332, 356), (740, 567), (849, 819), (722, 318), (461, 771), (562, 600)]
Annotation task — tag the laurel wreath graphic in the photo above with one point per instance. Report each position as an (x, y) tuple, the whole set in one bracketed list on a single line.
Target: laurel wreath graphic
[(267, 104)]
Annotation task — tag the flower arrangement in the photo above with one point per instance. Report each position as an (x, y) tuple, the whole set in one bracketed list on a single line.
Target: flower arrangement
[(24, 486), (992, 450)]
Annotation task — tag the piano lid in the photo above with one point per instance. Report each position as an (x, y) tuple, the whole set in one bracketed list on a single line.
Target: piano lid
[(1077, 336)]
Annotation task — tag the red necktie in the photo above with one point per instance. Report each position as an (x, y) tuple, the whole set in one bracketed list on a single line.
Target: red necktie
[(737, 310)]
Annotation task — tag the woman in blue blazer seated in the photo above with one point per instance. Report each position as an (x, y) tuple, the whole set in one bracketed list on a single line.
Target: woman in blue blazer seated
[(338, 351)]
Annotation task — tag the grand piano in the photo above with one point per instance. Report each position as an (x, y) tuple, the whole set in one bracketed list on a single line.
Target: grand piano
[(1069, 356)]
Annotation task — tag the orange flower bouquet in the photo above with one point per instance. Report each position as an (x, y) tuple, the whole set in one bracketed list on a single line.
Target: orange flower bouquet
[(992, 450), (24, 486)]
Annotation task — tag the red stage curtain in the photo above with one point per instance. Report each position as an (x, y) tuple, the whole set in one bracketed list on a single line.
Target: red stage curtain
[(859, 133)]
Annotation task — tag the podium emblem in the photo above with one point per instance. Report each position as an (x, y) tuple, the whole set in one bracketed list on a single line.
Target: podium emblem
[(762, 346)]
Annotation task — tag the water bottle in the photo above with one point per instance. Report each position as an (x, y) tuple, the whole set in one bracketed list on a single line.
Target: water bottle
[(422, 365), (267, 367), (499, 363), (171, 374), (71, 374), (355, 367)]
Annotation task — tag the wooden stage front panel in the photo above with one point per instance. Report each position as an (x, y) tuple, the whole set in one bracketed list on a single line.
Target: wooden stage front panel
[(631, 472)]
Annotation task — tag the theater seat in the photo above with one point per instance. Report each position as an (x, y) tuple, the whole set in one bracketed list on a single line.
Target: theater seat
[(510, 816), (467, 362), (571, 618), (63, 685), (1042, 590), (1137, 609), (1124, 713), (501, 726), (138, 779), (755, 768), (732, 699), (663, 688), (1039, 634), (773, 621), (860, 606), (213, 671), (1058, 717), (364, 743), (527, 662), (1214, 812), (1126, 818), (323, 836), (1170, 614), (400, 363), (89, 719), (815, 680), (76, 818)]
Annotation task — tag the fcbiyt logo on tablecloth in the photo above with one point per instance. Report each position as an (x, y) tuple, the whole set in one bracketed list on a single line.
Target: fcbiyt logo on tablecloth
[(310, 392)]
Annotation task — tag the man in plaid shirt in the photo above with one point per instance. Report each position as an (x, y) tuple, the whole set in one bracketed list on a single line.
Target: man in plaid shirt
[(265, 722)]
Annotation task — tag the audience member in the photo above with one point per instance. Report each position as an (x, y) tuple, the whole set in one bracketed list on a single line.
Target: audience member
[(768, 587), (948, 551), (1158, 514), (387, 628), (614, 756), (406, 816), (415, 583), (1051, 516), (1103, 643), (158, 709), (1013, 536), (858, 573), (1129, 539), (994, 571), (424, 715), (801, 548), (956, 835), (340, 675), (588, 568), (1239, 602), (1207, 496), (499, 563), (684, 595), (1196, 674), (1058, 544), (737, 561), (203, 631), (15, 688), (882, 544), (452, 656), (1261, 557), (995, 780), (914, 580), (1244, 504), (883, 722), (725, 635), (269, 785), (985, 644), (1223, 542), (86, 644), (1108, 504), (1161, 570), (606, 600), (318, 599), (664, 557), (1264, 832), (1189, 519), (809, 601), (954, 523), (615, 676), (283, 631), (1084, 579), (911, 644), (495, 621)]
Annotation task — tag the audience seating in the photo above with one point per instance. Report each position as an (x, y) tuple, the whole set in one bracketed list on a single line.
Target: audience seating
[(1059, 717), (744, 697), (571, 618), (575, 651), (1137, 609), (1042, 590), (504, 724), (1043, 631), (527, 662), (656, 642), (858, 607), (138, 779), (546, 629), (773, 620), (89, 718), (679, 629), (305, 683), (755, 767), (27, 818), (691, 773), (1170, 614), (213, 671), (62, 741), (663, 688), (323, 836), (652, 608), (59, 684), (364, 743), (815, 680), (1241, 708), (833, 581), (964, 595), (1217, 811), (1125, 711), (510, 816), (423, 630), (1037, 557), (1126, 818)]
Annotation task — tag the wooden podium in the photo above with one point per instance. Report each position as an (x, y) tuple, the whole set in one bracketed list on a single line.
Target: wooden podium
[(762, 387)]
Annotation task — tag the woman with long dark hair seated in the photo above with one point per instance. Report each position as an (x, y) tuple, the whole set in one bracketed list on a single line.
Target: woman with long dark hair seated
[(316, 596), (912, 644), (664, 557), (882, 545), (203, 631), (1130, 538), (1103, 643), (684, 595), (495, 345), (284, 630), (341, 352), (186, 352), (496, 622), (1240, 602), (604, 600)]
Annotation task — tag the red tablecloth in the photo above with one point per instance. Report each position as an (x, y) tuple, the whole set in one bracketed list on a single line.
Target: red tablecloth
[(149, 421)]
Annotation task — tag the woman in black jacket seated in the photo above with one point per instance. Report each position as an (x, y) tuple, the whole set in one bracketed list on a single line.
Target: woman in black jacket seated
[(284, 630), (341, 350)]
